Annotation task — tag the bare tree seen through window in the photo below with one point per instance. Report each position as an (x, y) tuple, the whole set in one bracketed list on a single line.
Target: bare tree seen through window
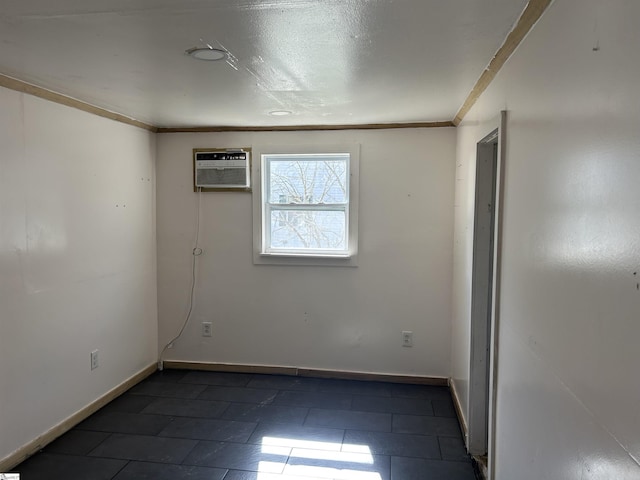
[(308, 198)]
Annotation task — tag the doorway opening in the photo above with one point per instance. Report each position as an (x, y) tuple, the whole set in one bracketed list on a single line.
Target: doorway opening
[(483, 292)]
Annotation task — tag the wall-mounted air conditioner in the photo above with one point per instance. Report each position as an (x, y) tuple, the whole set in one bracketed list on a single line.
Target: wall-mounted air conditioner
[(221, 169)]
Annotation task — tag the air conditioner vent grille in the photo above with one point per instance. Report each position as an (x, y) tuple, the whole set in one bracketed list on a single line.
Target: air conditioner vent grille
[(221, 176)]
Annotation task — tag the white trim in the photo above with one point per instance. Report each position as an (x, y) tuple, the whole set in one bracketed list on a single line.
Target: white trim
[(319, 257), (482, 275), (499, 123), (494, 347), (312, 254)]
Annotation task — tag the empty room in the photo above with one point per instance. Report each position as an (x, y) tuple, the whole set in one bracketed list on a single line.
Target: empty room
[(319, 239)]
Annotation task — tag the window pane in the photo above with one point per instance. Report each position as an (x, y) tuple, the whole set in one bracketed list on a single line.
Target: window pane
[(299, 229), (308, 179)]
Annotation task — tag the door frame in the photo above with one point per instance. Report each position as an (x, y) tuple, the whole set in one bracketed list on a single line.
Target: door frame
[(483, 373)]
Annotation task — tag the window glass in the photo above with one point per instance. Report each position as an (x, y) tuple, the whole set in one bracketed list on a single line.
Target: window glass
[(308, 179), (306, 203), (303, 229)]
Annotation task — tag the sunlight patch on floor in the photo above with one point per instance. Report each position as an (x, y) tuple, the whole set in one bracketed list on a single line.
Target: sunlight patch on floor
[(315, 460)]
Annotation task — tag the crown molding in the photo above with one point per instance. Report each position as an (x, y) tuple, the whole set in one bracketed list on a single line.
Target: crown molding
[(30, 89), (530, 16)]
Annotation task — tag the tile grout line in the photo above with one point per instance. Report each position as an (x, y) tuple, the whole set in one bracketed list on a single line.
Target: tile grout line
[(189, 453), (123, 467), (439, 447), (304, 422), (110, 434)]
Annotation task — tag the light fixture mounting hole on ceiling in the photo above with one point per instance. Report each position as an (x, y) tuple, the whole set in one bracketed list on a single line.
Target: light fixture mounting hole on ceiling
[(279, 113), (207, 54)]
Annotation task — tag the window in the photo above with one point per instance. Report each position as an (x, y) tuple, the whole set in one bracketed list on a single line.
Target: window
[(307, 207), (306, 204)]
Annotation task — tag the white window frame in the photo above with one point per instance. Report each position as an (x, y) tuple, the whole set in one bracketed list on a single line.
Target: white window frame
[(262, 255)]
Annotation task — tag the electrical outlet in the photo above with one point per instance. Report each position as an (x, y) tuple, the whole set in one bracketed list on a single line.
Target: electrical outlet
[(94, 359), (206, 329), (407, 339)]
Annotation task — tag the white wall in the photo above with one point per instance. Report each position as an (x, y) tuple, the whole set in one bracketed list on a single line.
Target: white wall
[(462, 266), (77, 256), (568, 391), (336, 318)]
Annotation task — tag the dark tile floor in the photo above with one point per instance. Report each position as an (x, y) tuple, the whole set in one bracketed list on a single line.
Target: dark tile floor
[(181, 424)]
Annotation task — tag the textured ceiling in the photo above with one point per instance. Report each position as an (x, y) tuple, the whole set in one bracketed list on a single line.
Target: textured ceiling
[(326, 61)]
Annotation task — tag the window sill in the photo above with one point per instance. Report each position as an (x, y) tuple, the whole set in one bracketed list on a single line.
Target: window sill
[(305, 255), (313, 259)]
